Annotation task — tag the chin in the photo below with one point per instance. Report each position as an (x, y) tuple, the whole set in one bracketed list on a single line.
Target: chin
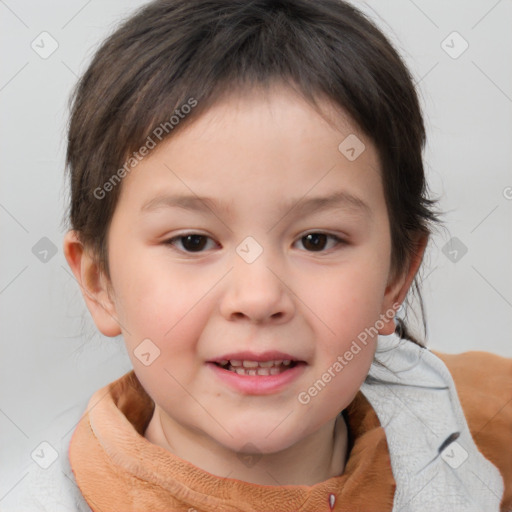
[(260, 438)]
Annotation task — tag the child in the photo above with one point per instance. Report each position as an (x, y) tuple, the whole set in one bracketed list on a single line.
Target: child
[(213, 145)]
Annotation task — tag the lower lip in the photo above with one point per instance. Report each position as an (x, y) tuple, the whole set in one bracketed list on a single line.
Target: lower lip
[(258, 384)]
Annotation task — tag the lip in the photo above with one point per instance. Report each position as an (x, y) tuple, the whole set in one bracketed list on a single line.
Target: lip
[(257, 384), (269, 355)]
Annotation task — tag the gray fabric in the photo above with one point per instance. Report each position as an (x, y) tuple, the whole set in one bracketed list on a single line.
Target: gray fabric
[(52, 489), (418, 406)]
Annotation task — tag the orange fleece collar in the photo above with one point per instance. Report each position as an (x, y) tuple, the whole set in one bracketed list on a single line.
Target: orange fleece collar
[(117, 469)]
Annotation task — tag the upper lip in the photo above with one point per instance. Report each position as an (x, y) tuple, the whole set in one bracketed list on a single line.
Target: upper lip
[(270, 355)]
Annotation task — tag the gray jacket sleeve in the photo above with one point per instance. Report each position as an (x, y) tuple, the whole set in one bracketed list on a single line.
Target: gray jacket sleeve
[(45, 482)]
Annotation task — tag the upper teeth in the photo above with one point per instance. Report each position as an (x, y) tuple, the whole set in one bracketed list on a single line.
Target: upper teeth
[(255, 364)]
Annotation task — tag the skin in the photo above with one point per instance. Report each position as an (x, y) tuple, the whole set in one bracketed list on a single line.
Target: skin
[(255, 152)]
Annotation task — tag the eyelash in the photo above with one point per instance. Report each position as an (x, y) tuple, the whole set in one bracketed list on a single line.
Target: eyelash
[(171, 241)]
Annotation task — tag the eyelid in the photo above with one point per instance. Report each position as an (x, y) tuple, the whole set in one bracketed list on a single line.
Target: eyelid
[(340, 236)]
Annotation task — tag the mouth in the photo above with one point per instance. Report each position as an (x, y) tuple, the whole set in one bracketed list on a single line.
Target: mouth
[(252, 373), (257, 368)]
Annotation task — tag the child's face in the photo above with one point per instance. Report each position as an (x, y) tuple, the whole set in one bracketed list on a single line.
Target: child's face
[(260, 160)]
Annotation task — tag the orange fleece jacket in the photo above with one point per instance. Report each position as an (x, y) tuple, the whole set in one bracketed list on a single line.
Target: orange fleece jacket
[(117, 469)]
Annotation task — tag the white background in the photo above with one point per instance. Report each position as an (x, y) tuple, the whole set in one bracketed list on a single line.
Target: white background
[(52, 356)]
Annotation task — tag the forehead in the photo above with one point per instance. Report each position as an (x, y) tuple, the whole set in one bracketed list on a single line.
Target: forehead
[(260, 148)]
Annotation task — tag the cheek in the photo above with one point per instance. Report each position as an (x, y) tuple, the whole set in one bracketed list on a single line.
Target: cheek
[(167, 308), (349, 305), (348, 299), (172, 324)]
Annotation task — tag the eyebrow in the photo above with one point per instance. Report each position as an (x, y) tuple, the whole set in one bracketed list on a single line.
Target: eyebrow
[(337, 200)]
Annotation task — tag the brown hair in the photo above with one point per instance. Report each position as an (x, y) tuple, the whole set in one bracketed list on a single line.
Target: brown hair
[(173, 50)]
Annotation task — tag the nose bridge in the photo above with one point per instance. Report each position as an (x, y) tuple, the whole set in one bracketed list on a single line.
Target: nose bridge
[(255, 290)]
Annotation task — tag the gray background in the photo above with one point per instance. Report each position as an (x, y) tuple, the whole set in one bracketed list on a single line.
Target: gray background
[(52, 356)]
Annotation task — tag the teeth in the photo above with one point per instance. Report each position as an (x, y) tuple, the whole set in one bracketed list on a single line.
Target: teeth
[(274, 370), (258, 371), (247, 367), (255, 364)]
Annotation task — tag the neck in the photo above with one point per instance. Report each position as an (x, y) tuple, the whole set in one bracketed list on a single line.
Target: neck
[(314, 459)]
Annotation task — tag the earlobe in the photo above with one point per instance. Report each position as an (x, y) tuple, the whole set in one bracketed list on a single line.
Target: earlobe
[(93, 285), (397, 290)]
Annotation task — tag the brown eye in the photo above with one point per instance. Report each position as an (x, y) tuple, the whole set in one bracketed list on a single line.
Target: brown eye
[(316, 242), (193, 242), (189, 242)]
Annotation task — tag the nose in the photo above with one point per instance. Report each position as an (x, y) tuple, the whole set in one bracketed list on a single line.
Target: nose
[(257, 293)]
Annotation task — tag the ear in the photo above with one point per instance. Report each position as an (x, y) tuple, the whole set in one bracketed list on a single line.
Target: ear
[(93, 283), (397, 289)]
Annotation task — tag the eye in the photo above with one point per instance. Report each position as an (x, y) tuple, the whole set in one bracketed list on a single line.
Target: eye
[(315, 242), (190, 242), (196, 242)]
